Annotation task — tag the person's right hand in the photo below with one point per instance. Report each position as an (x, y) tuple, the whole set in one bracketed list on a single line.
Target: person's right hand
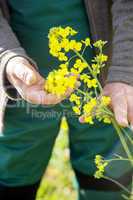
[(29, 83)]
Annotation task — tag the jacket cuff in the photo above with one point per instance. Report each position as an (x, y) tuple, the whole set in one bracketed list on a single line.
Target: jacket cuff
[(120, 76), (5, 58)]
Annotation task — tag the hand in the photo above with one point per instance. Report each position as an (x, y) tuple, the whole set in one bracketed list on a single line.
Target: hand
[(29, 83), (121, 95)]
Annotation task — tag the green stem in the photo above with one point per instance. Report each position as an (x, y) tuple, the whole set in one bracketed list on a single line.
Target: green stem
[(122, 139), (82, 58), (96, 93), (80, 91), (127, 135), (118, 130), (125, 197), (117, 183), (83, 50), (118, 159), (108, 113), (72, 58)]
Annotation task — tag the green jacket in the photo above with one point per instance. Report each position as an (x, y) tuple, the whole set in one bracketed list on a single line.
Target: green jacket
[(110, 20)]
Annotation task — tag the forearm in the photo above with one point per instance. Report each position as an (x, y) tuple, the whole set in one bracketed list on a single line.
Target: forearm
[(9, 48), (121, 69)]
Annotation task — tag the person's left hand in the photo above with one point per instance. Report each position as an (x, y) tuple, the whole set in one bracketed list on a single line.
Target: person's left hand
[(121, 95)]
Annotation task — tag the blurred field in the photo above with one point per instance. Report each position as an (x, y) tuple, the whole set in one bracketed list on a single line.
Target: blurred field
[(58, 182)]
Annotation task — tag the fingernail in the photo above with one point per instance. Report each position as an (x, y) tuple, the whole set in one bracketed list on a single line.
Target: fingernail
[(81, 119), (30, 79), (78, 84), (123, 123)]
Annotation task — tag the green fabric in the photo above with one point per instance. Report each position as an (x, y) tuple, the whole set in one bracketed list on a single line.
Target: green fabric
[(33, 19), (28, 138), (30, 131)]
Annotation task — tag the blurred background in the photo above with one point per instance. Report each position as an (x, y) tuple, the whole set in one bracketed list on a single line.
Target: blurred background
[(58, 182)]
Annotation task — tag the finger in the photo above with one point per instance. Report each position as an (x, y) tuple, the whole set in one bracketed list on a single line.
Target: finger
[(25, 73), (76, 75), (81, 119), (42, 98), (36, 94), (68, 92), (71, 90), (130, 110), (119, 105), (78, 84), (20, 87), (51, 99)]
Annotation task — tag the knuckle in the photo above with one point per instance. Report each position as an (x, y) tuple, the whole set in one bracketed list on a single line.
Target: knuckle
[(24, 75)]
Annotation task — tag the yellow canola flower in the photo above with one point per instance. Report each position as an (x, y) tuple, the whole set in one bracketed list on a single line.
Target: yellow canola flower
[(100, 171), (85, 78), (88, 119), (73, 32), (96, 69), (58, 41), (98, 159), (65, 44), (74, 71), (87, 42), (65, 32), (107, 120), (105, 100), (54, 46), (76, 109), (79, 65), (62, 56), (74, 45), (71, 81), (98, 174), (62, 32), (99, 44), (89, 106), (64, 65), (100, 165), (75, 98), (101, 58), (101, 116), (58, 81), (92, 83)]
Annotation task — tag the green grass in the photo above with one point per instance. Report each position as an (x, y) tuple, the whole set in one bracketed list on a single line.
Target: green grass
[(58, 182)]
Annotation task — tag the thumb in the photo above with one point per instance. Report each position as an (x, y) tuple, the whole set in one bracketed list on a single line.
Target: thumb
[(25, 73)]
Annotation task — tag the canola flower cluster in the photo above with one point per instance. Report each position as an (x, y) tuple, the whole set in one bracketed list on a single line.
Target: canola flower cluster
[(58, 81), (94, 108), (87, 103), (88, 100), (100, 165), (60, 44)]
